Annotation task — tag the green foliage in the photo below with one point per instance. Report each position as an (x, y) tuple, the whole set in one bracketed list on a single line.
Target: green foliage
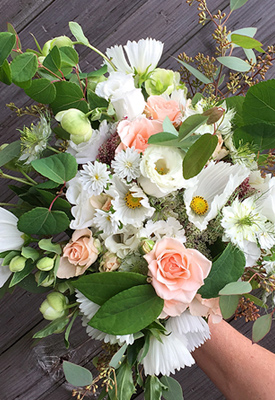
[(68, 95), (125, 386), (173, 391), (100, 287), (5, 73), (23, 67), (9, 152), (57, 325), (19, 276), (153, 388), (234, 288), (59, 168), (46, 244), (69, 57), (77, 375), (260, 134), (116, 359), (229, 267), (195, 72), (261, 327), (42, 91), (191, 124), (77, 31), (198, 155), (118, 315), (234, 63), (246, 42), (228, 305), (29, 284), (236, 102), (7, 42), (235, 4)]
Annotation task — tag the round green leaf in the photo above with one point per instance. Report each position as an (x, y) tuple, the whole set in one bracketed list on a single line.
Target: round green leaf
[(23, 67), (77, 31), (259, 103), (59, 168), (246, 42), (261, 327), (42, 91), (7, 42), (228, 305), (5, 73), (68, 95), (235, 4), (77, 375), (69, 56), (118, 316), (236, 288), (234, 63), (41, 221)]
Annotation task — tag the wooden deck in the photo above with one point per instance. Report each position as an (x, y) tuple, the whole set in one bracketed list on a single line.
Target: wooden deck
[(34, 373)]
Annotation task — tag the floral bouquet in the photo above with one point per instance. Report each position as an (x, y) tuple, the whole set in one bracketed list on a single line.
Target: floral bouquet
[(146, 205)]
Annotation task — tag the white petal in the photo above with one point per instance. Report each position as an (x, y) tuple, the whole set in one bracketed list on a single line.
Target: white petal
[(5, 273)]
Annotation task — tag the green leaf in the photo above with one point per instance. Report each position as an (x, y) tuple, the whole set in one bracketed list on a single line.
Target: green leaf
[(234, 63), (29, 252), (5, 73), (77, 375), (29, 283), (68, 95), (125, 385), (134, 350), (9, 152), (23, 67), (196, 73), (42, 91), (59, 168), (236, 102), (261, 327), (116, 359), (118, 316), (246, 42), (53, 60), (9, 256), (100, 287), (19, 276), (232, 288), (228, 305), (7, 42), (163, 139), (196, 98), (255, 300), (235, 4), (229, 267), (95, 101), (191, 124), (249, 31), (68, 329), (77, 31), (198, 155), (260, 134), (47, 185), (259, 103), (250, 55), (17, 44), (69, 56), (174, 391), (23, 85), (41, 221), (46, 244), (169, 127), (153, 388)]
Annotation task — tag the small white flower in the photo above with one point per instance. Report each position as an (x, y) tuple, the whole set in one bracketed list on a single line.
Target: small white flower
[(94, 177), (126, 164), (143, 56), (88, 308), (131, 204), (156, 230), (123, 242), (106, 222), (10, 237), (211, 189), (267, 237), (269, 266)]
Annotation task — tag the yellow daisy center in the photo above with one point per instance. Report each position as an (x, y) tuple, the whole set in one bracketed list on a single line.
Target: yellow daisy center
[(199, 205), (131, 201)]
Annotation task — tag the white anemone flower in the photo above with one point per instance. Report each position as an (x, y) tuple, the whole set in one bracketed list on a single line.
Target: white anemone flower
[(211, 189), (143, 56), (131, 204), (88, 309)]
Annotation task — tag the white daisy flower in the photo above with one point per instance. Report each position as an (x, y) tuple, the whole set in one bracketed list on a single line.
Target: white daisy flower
[(156, 230), (106, 222), (143, 56), (94, 177), (242, 221), (131, 205), (88, 309), (211, 189), (126, 164)]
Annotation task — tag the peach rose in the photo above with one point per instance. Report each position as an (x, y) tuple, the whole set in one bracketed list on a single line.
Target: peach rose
[(177, 274), (78, 254), (136, 133), (159, 108), (206, 308)]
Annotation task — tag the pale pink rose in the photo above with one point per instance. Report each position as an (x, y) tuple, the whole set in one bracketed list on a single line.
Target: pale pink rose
[(159, 108), (206, 308), (78, 254), (220, 151), (177, 273), (102, 202), (136, 133), (110, 262)]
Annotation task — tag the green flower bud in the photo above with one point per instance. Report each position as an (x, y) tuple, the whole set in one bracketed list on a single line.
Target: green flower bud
[(45, 264), (76, 123), (46, 282), (59, 41), (146, 246), (17, 263), (94, 80), (162, 81), (54, 306), (64, 286)]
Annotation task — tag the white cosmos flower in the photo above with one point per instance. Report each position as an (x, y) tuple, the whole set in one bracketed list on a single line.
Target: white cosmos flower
[(10, 237), (94, 177), (126, 164), (143, 56), (161, 170), (88, 308), (156, 230), (131, 204), (211, 189)]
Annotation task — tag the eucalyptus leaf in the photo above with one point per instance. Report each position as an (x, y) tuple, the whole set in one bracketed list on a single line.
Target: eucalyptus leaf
[(174, 389), (234, 63), (228, 267), (248, 31), (261, 327), (246, 42), (77, 31), (191, 124), (235, 4), (198, 155), (77, 375), (42, 91), (118, 315), (232, 288), (255, 300), (169, 127), (163, 139), (7, 43), (100, 287), (68, 329), (228, 305), (250, 55), (196, 73), (23, 67), (10, 152), (116, 359), (59, 168)]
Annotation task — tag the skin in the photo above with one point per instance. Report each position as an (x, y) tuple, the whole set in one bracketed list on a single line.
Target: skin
[(240, 370)]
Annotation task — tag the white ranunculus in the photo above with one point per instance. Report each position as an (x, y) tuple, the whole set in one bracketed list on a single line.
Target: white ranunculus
[(161, 169), (10, 237)]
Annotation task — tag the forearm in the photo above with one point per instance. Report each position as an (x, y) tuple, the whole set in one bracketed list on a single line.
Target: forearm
[(241, 370)]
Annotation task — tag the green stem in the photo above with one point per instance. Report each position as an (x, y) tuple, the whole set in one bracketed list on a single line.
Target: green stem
[(53, 149), (100, 53), (8, 204), (6, 176), (28, 177), (72, 305)]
